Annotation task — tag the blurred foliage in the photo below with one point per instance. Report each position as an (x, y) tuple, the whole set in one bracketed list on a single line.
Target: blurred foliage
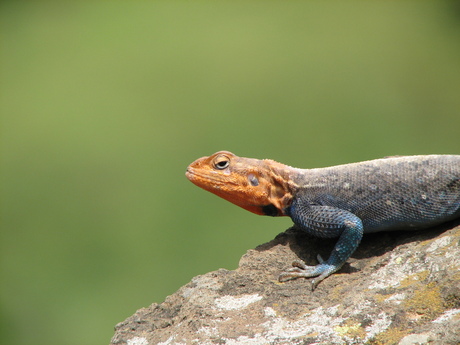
[(104, 104)]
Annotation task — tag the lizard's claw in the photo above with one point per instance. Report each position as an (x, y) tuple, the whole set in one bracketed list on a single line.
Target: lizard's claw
[(301, 270)]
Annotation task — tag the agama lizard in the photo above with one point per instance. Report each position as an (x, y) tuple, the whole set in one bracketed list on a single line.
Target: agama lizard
[(344, 201)]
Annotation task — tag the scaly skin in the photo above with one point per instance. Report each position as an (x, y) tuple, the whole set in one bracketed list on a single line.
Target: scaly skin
[(344, 201)]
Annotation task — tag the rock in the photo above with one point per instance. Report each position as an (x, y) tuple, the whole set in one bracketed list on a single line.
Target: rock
[(398, 288)]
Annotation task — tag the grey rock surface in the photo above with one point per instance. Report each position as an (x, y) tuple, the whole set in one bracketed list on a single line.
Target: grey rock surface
[(398, 288)]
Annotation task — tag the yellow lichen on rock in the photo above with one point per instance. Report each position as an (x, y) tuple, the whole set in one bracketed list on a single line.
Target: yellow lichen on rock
[(427, 303)]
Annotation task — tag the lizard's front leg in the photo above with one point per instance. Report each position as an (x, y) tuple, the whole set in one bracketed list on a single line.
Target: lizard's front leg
[(326, 222)]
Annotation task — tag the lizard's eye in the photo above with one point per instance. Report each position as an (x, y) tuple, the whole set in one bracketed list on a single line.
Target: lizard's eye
[(221, 162)]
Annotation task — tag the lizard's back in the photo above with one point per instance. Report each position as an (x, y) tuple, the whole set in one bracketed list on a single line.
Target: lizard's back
[(391, 193)]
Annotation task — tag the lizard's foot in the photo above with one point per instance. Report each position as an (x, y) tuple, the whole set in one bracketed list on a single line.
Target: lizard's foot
[(300, 270)]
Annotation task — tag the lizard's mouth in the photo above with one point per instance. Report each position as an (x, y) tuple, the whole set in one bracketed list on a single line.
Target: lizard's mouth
[(197, 178), (190, 174)]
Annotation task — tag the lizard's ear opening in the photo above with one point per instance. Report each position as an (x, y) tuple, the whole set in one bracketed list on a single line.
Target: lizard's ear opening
[(221, 162), (253, 180)]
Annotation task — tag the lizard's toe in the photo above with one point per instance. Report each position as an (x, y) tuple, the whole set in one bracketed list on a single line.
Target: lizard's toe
[(299, 264), (300, 270)]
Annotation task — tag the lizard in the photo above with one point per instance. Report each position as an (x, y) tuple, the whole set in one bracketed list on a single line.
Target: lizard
[(342, 201)]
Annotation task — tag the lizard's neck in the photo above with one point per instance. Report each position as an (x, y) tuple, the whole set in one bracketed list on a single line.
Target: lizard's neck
[(282, 184), (263, 187)]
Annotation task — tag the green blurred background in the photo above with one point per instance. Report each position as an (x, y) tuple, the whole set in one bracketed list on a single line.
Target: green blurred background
[(104, 104)]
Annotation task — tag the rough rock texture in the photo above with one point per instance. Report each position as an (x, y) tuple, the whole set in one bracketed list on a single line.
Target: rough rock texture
[(398, 288)]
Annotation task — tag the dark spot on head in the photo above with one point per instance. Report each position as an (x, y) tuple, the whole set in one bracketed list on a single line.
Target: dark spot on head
[(270, 210), (253, 180)]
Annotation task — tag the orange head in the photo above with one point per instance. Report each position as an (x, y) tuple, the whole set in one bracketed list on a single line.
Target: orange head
[(261, 186)]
